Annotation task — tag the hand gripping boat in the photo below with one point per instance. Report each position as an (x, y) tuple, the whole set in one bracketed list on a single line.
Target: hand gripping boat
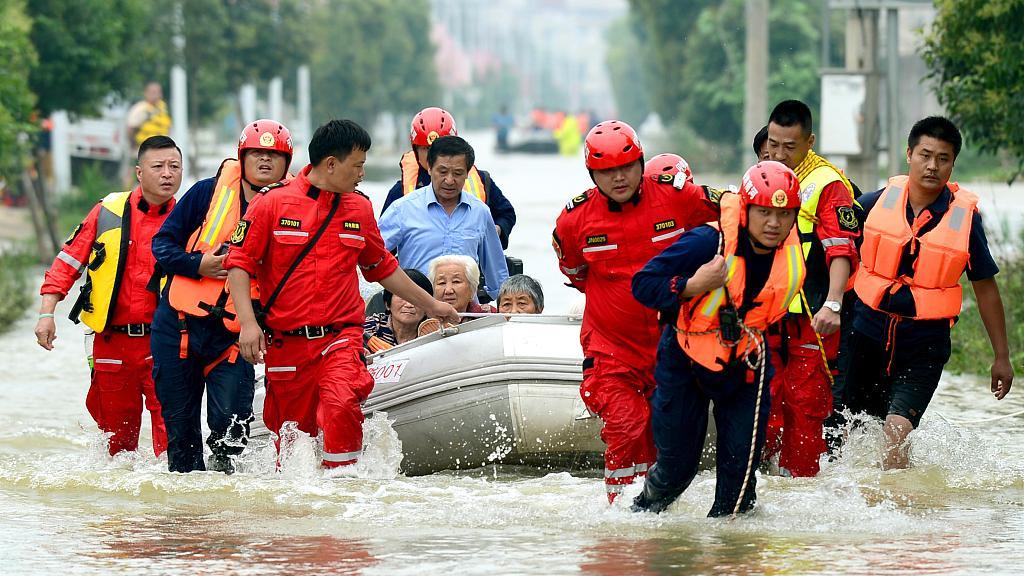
[(494, 390)]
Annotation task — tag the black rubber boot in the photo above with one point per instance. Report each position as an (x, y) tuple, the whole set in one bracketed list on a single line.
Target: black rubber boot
[(220, 463)]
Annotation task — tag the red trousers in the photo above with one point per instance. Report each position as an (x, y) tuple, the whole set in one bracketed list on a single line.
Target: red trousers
[(122, 378), (801, 396), (319, 384), (618, 393)]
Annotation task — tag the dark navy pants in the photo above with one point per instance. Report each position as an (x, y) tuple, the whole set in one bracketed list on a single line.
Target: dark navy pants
[(679, 418), (180, 384)]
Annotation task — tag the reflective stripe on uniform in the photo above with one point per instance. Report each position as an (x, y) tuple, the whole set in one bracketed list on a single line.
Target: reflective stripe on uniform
[(332, 345), (70, 260), (601, 248), (341, 456), (290, 233), (827, 242), (281, 369), (667, 235), (575, 270), (107, 361), (227, 197), (625, 472), (353, 237)]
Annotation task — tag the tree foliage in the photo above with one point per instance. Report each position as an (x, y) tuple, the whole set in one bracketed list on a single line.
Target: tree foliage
[(371, 56), (17, 57), (627, 70), (698, 55), (86, 49), (979, 71)]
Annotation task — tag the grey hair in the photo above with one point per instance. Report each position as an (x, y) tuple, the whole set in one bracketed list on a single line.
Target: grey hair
[(525, 284), (468, 264)]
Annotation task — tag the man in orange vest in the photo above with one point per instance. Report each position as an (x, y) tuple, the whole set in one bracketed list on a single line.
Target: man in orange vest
[(601, 238), (720, 286), (194, 329), (921, 234), (428, 125), (112, 246)]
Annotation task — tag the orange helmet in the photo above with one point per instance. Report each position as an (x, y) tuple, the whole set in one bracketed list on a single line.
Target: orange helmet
[(430, 124), (266, 134), (667, 168), (611, 144), (770, 184)]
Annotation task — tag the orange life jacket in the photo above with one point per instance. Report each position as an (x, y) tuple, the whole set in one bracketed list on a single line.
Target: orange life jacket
[(697, 327), (411, 175), (200, 296), (942, 253)]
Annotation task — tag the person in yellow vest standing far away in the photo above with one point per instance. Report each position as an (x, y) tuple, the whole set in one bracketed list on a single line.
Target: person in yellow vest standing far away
[(921, 234), (149, 116)]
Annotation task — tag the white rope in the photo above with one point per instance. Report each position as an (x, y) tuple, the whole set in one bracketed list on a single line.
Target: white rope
[(757, 337), (980, 420)]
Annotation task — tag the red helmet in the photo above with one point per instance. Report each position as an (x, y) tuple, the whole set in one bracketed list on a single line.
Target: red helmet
[(266, 134), (666, 167), (611, 144), (430, 124), (770, 184)]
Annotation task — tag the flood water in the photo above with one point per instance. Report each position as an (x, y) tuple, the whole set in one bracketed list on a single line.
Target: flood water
[(65, 507)]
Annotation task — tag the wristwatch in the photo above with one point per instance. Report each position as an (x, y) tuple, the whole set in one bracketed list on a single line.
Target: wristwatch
[(833, 305)]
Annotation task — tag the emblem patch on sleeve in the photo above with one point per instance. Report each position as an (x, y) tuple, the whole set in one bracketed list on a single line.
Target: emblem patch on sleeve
[(238, 236), (847, 218), (557, 245), (289, 223), (576, 202), (74, 234)]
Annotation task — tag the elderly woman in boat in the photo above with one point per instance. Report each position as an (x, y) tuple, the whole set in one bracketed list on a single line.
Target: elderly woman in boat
[(456, 279), (520, 294), (400, 320)]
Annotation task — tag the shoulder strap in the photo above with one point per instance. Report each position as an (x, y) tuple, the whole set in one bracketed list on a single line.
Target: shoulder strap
[(298, 259)]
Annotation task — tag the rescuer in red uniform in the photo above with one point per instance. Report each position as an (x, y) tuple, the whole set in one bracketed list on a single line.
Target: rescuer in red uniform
[(303, 243), (112, 245), (602, 238)]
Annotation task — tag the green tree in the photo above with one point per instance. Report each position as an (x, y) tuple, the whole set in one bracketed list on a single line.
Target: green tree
[(88, 47), (699, 64), (17, 56), (979, 72), (629, 76), (371, 56)]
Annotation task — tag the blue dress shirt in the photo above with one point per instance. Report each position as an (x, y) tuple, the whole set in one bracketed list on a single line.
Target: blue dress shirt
[(419, 229)]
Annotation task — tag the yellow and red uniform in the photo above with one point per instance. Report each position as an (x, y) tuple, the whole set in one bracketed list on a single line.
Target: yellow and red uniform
[(801, 390), (122, 365), (315, 372)]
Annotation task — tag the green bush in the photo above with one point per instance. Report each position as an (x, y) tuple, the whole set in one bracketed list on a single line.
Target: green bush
[(14, 285), (73, 206), (972, 352)]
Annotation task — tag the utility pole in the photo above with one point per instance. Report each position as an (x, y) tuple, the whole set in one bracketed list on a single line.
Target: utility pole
[(862, 56), (755, 104)]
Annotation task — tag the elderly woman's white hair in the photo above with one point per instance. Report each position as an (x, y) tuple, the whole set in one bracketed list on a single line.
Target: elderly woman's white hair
[(468, 264)]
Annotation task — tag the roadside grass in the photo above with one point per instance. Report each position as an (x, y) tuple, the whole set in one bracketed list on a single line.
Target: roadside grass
[(15, 271), (972, 352)]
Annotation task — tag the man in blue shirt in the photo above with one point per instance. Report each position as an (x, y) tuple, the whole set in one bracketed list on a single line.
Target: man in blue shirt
[(442, 219), (428, 125)]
